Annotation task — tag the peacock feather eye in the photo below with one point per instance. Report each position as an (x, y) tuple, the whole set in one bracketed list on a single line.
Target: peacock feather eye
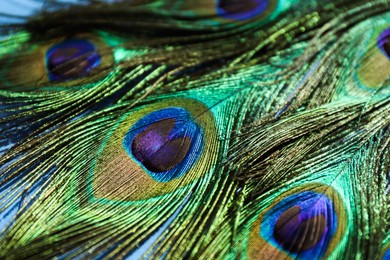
[(306, 224), (373, 71), (386, 252), (241, 10), (62, 62), (222, 11), (384, 42), (312, 213), (71, 59), (386, 255), (155, 150), (164, 142)]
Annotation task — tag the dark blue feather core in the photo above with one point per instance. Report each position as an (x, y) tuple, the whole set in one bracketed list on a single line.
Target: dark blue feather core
[(302, 225), (241, 9), (166, 143), (384, 42), (71, 59), (386, 256)]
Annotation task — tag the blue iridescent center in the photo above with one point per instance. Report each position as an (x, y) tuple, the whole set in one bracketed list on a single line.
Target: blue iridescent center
[(240, 9), (166, 143), (71, 59), (301, 224), (387, 255), (384, 42)]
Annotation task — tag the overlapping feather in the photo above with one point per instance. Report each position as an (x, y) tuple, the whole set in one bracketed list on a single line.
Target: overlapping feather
[(280, 101)]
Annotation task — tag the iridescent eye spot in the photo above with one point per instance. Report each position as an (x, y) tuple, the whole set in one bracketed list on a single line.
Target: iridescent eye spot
[(71, 59), (384, 42), (293, 226), (386, 256), (301, 223), (165, 143), (59, 64), (241, 9), (373, 71), (156, 150), (307, 222)]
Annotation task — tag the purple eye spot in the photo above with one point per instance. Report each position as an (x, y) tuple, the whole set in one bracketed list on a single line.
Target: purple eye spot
[(71, 59), (297, 232), (384, 42), (166, 143), (157, 149), (241, 9)]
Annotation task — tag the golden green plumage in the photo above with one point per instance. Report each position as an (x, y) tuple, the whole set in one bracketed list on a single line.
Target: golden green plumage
[(196, 129)]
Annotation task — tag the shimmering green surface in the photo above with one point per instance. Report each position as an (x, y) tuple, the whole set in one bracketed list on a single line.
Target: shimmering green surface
[(292, 101)]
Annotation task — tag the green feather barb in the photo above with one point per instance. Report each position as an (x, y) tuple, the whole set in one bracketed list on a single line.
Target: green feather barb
[(196, 129)]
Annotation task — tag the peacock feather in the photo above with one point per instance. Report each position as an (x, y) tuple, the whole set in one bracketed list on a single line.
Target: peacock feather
[(170, 129)]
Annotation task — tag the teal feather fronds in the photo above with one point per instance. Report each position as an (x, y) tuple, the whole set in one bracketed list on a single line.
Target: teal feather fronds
[(196, 129)]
